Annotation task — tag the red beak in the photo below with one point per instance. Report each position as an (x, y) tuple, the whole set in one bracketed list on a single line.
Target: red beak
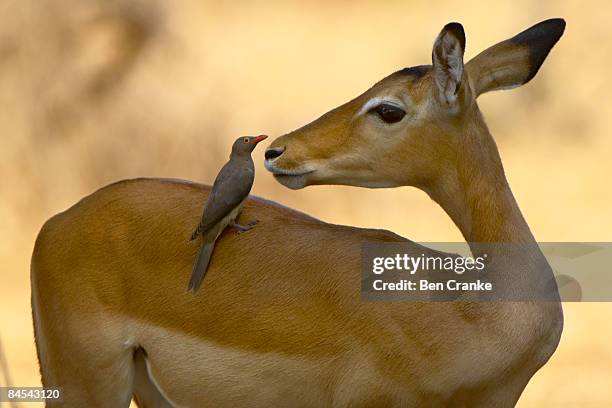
[(259, 139)]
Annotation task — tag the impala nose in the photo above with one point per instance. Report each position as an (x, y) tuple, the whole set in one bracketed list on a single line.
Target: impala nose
[(273, 152)]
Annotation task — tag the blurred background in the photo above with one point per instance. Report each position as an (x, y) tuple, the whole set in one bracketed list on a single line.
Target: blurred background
[(92, 92)]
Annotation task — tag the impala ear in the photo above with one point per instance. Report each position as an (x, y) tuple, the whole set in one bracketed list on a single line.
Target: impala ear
[(447, 59), (514, 62)]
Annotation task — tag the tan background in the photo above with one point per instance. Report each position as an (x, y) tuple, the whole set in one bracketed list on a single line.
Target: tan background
[(93, 92)]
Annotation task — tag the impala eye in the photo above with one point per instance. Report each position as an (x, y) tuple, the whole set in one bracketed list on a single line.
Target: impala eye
[(389, 113), (245, 140)]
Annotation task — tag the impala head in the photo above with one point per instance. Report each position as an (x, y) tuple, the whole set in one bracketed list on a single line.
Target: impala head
[(412, 126)]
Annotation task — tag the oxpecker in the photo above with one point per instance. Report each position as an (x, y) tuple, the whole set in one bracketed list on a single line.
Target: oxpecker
[(230, 189)]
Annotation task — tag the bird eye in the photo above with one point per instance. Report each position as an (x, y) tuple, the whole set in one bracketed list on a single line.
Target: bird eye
[(245, 140), (389, 113)]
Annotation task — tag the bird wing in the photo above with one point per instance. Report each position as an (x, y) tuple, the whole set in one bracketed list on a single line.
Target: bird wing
[(230, 188)]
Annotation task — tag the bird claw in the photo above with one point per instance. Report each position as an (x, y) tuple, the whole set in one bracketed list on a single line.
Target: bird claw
[(244, 228), (242, 231), (197, 232)]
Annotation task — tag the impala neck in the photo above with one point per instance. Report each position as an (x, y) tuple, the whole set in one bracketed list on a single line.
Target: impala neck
[(476, 194)]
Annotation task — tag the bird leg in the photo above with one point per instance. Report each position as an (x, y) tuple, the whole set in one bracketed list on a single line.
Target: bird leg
[(196, 233), (243, 228)]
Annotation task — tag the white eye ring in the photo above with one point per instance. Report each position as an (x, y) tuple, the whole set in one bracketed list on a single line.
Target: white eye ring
[(377, 100), (388, 113)]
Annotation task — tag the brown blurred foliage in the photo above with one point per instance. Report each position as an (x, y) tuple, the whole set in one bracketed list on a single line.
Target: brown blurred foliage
[(96, 91)]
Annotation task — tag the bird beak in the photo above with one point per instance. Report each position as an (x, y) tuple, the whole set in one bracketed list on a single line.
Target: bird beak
[(259, 138)]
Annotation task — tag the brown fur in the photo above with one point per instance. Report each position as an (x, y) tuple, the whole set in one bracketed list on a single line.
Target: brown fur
[(279, 321), (119, 260)]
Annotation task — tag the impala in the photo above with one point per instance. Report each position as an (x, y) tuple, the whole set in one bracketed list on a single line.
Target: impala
[(279, 321)]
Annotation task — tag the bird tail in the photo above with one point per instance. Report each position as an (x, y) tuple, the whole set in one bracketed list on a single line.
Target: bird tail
[(201, 265)]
